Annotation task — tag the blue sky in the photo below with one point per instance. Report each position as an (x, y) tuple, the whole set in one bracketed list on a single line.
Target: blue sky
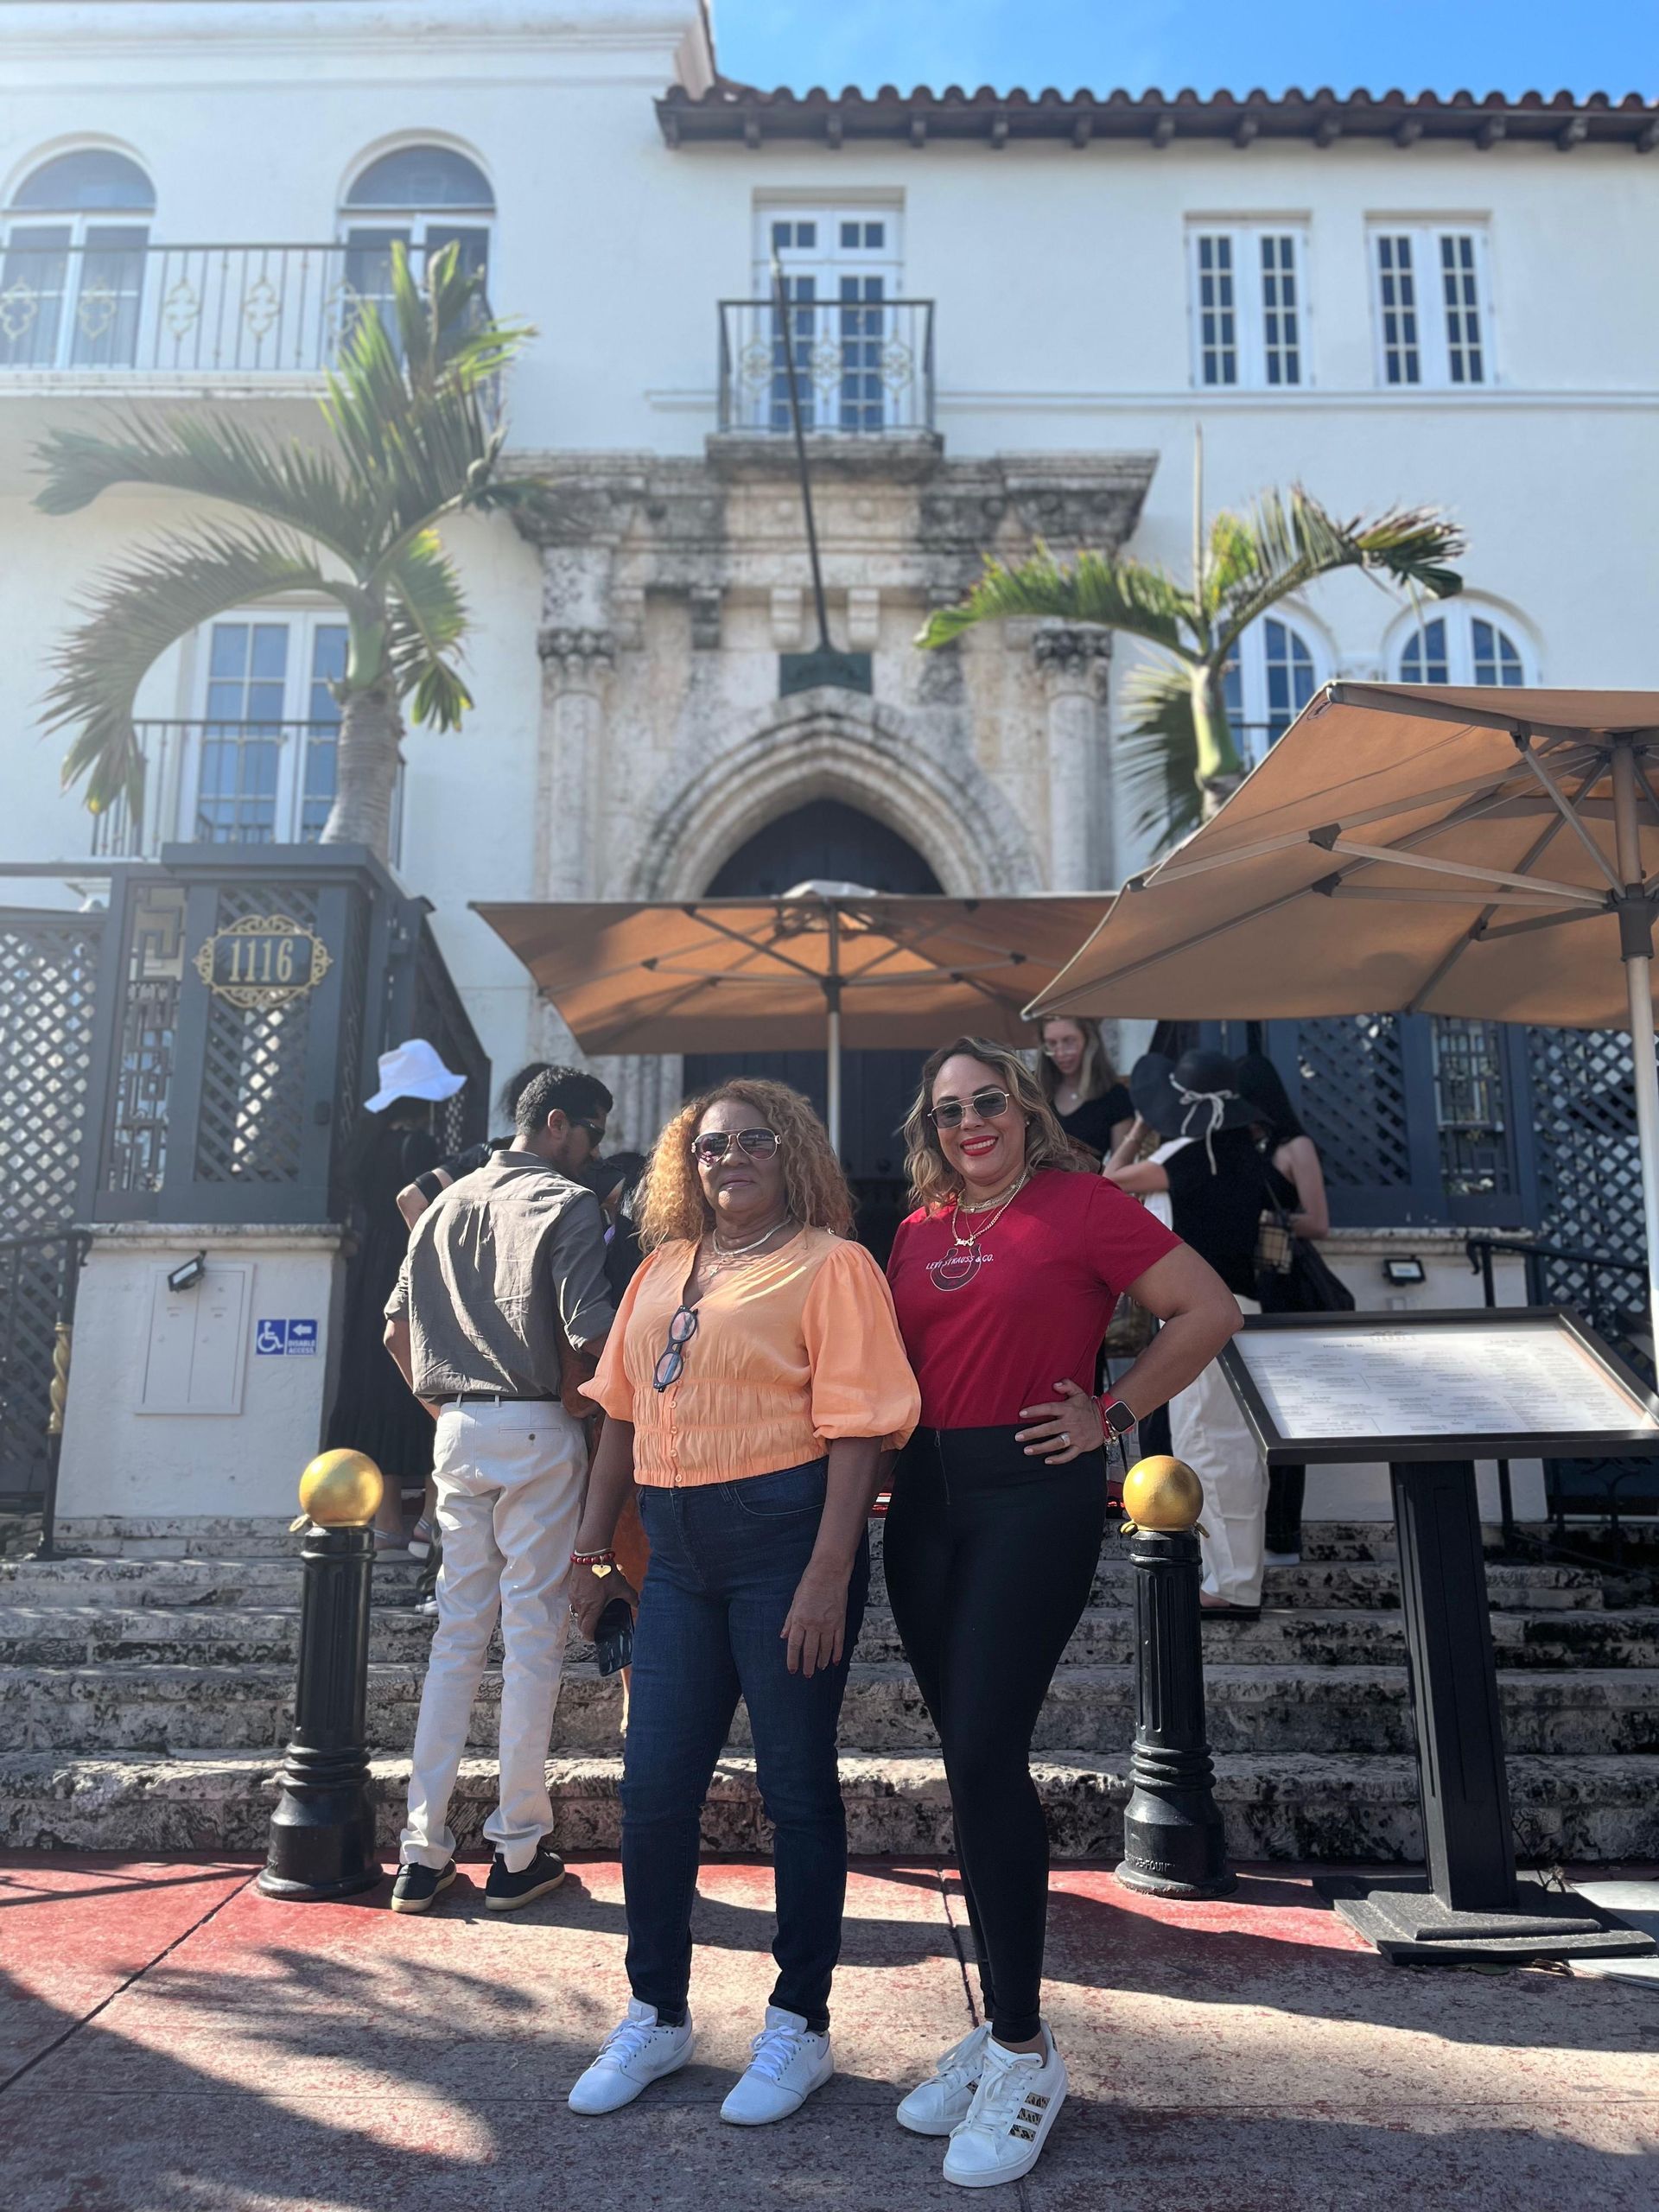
[(1442, 46)]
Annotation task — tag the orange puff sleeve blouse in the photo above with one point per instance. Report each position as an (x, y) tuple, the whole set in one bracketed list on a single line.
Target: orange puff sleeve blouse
[(795, 1349)]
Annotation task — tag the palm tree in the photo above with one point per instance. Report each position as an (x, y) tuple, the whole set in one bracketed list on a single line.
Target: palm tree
[(1183, 757), (415, 438)]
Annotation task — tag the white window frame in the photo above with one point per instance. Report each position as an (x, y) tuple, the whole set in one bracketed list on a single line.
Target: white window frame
[(19, 226), (1253, 304), (1460, 616), (1257, 710), (296, 721), (827, 257), (1436, 348), (840, 340)]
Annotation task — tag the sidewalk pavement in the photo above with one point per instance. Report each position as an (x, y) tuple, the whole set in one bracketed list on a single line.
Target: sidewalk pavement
[(170, 2041)]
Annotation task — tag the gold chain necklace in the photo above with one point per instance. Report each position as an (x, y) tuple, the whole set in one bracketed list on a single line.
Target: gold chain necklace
[(958, 1267)]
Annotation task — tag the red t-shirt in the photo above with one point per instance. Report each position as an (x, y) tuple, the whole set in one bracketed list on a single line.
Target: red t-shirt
[(1036, 1310)]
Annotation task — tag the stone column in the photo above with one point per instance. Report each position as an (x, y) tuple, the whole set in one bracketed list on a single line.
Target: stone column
[(1071, 663), (575, 664)]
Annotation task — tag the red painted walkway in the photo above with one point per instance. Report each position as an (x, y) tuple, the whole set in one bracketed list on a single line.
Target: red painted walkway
[(172, 2042)]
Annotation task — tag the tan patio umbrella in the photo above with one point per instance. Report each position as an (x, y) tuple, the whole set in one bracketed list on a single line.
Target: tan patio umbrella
[(1422, 849), (823, 965)]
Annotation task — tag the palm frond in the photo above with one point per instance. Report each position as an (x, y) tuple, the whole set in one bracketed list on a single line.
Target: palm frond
[(429, 620), (300, 487), (1095, 587), (1287, 541), (166, 589), (1159, 750)]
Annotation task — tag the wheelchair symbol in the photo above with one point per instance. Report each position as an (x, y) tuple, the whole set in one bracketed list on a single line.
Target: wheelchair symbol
[(271, 1336)]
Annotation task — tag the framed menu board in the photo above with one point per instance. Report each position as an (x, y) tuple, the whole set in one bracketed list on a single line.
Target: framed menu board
[(1469, 1384)]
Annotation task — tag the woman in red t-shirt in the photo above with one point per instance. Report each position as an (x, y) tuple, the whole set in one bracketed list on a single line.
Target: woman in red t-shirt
[(1004, 1278)]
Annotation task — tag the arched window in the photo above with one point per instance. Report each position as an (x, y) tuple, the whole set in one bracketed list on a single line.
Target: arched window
[(422, 198), (1461, 646), (72, 281), (1269, 681)]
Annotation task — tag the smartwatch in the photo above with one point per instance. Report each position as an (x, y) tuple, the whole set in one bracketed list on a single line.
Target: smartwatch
[(1115, 1416)]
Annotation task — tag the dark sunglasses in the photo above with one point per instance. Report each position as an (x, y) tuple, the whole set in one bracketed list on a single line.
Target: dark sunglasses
[(987, 1103), (672, 1364), (759, 1144), (596, 1131)]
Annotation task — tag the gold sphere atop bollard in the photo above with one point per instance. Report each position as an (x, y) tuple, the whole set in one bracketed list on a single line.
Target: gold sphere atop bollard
[(341, 1490), (1163, 1494)]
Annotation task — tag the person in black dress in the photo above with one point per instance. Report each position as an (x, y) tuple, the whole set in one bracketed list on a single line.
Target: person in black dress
[(1080, 1084)]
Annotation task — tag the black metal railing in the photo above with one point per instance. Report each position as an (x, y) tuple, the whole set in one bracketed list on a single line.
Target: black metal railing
[(864, 368), (38, 1275), (225, 782), (126, 304), (1605, 1489)]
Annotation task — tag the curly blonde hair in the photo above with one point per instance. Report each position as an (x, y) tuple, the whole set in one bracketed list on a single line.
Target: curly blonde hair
[(671, 1205), (933, 1181)]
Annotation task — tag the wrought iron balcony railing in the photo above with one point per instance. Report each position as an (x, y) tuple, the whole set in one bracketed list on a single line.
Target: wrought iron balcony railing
[(184, 309), (863, 368), (222, 782)]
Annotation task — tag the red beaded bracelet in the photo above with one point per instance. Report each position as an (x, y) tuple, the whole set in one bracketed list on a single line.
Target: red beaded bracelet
[(593, 1559)]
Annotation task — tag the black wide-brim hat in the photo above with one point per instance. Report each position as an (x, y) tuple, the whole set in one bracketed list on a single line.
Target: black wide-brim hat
[(1196, 1096)]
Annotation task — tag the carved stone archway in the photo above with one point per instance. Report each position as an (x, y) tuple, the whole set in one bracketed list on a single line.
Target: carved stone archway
[(833, 744)]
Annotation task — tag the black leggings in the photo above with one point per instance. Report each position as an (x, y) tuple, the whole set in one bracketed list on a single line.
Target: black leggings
[(990, 1558)]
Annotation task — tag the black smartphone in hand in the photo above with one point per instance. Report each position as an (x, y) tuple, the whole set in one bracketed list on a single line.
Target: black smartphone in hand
[(614, 1636)]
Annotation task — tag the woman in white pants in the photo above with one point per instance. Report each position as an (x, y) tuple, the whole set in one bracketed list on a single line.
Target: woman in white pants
[(1209, 1174)]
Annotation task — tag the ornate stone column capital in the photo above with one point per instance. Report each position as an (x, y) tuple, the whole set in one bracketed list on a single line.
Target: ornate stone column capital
[(577, 660), (1070, 656)]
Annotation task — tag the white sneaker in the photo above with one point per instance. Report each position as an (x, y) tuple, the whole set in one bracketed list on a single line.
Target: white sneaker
[(789, 2063), (936, 2105), (630, 2059), (1281, 1558), (1018, 2100)]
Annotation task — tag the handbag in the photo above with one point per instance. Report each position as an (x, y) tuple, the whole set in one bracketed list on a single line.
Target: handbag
[(1316, 1285), (1129, 1331), (1275, 1240)]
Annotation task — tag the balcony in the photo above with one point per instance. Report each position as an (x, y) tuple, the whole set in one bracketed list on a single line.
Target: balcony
[(182, 311), (224, 782), (863, 368)]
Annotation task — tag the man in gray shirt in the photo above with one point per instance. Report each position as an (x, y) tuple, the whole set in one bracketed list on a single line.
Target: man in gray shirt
[(504, 1276)]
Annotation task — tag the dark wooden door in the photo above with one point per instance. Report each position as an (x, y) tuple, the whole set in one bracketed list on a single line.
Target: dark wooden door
[(827, 841)]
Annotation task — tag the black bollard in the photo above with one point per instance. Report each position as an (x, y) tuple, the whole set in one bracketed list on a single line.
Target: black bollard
[(322, 1830), (1174, 1845)]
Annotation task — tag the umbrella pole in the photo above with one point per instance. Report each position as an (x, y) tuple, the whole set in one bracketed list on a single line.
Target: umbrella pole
[(832, 1086), (1636, 945)]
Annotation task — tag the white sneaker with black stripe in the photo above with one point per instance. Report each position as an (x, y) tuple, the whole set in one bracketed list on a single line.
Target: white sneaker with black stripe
[(1018, 2100)]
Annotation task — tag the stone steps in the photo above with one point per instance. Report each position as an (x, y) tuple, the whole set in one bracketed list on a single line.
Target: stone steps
[(78, 1635), (1260, 1708), (1286, 1806), (202, 1583), (143, 1701)]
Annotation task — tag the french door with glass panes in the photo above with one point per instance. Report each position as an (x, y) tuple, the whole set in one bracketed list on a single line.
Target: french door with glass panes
[(841, 272), (262, 761)]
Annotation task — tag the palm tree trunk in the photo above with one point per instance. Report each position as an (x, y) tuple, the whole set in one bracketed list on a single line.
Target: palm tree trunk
[(365, 772), (1220, 770)]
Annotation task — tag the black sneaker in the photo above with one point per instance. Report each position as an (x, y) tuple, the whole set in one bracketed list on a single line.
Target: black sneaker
[(505, 1892), (416, 1887)]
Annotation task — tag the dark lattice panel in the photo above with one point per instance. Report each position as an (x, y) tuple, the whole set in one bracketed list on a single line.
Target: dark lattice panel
[(142, 1075), (48, 968), (1589, 1167), (31, 1290), (464, 1119), (356, 989), (252, 1118), (1353, 1099)]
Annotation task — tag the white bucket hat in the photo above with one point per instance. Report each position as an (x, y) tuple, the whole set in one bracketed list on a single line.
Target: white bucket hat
[(412, 1071)]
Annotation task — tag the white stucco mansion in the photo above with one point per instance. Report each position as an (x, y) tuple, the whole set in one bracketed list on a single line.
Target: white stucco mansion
[(1015, 310)]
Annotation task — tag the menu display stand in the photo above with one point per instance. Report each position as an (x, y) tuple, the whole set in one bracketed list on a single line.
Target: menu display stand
[(1430, 1393)]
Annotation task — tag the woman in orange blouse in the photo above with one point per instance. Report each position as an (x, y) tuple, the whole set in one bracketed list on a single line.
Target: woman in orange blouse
[(753, 1378)]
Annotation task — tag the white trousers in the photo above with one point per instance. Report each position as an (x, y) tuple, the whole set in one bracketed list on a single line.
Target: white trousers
[(1207, 1431), (510, 1483)]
